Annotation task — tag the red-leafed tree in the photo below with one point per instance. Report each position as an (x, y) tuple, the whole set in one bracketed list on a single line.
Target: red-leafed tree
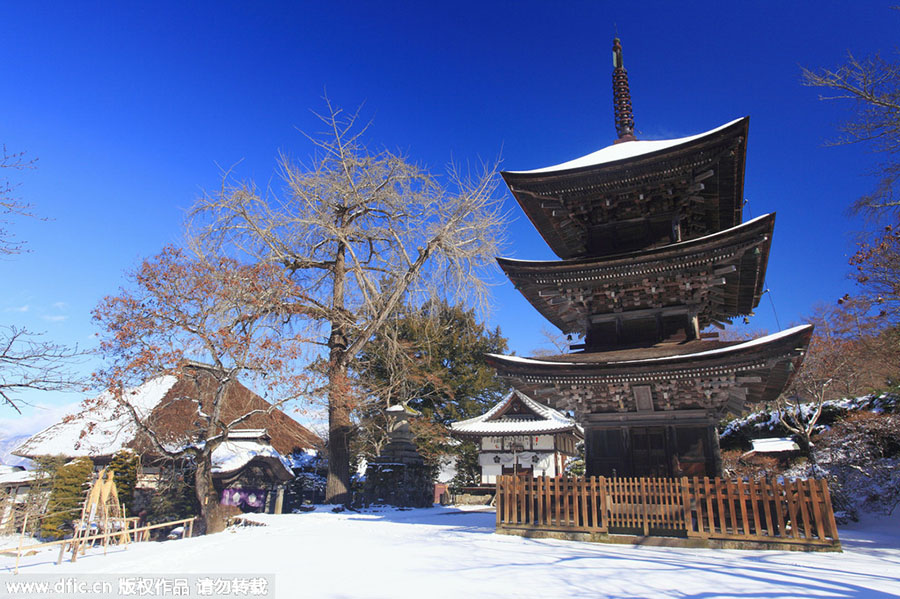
[(851, 353), (178, 311), (877, 272)]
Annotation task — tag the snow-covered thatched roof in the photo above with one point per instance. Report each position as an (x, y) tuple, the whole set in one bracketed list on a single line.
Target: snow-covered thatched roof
[(174, 408), (104, 429), (244, 446)]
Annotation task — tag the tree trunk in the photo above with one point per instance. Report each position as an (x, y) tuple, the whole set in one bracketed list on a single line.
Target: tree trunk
[(811, 453), (337, 487), (211, 518)]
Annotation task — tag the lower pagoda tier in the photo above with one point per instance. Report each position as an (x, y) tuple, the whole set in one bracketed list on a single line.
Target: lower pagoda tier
[(653, 411)]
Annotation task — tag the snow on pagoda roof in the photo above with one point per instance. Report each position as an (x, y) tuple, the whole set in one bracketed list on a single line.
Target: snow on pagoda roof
[(641, 254), (493, 422), (103, 429), (737, 347), (660, 359), (644, 255), (623, 151)]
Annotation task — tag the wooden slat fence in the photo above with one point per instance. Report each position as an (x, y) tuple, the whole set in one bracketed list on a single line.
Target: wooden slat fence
[(798, 512)]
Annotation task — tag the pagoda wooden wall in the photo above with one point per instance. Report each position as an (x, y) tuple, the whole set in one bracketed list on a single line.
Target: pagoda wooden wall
[(652, 449)]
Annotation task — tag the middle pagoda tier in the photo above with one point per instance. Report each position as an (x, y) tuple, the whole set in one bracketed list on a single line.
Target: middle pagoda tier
[(668, 293), (653, 251)]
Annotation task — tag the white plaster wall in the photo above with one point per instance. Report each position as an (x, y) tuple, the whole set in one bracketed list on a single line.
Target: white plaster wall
[(543, 442), (490, 472)]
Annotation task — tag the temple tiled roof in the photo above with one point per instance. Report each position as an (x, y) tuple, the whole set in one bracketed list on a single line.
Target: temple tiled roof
[(494, 422)]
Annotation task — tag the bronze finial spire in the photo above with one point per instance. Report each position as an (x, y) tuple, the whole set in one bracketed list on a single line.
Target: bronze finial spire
[(621, 97)]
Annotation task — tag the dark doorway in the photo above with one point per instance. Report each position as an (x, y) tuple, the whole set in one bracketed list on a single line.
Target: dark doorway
[(648, 452)]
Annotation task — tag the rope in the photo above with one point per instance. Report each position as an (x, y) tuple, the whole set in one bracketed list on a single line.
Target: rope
[(772, 302)]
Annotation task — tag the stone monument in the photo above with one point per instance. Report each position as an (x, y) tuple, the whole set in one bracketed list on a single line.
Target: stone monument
[(399, 476)]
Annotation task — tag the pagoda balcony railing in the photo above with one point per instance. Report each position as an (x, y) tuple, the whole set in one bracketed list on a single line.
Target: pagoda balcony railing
[(711, 512)]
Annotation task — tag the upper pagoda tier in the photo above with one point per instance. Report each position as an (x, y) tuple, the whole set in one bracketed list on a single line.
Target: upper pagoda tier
[(635, 195), (651, 295)]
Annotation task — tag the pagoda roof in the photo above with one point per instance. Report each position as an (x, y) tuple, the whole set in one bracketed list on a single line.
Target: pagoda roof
[(564, 200), (569, 292), (770, 359), (540, 419), (624, 151)]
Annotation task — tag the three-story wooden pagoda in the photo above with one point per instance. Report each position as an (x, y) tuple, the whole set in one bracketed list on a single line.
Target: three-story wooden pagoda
[(653, 251)]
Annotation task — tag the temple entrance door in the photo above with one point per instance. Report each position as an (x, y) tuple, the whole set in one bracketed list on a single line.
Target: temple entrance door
[(648, 452)]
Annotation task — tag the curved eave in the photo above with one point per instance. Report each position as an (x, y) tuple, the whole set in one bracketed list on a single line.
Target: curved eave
[(541, 282), (513, 431), (547, 420), (273, 465), (532, 188), (762, 369), (791, 342)]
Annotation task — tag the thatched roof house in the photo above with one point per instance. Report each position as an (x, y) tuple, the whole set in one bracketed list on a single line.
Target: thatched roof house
[(173, 407)]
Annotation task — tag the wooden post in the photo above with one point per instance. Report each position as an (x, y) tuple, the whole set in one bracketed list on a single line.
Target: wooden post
[(603, 508), (778, 492), (826, 498), (644, 499), (105, 528), (816, 509), (279, 499), (742, 489), (802, 486), (790, 495), (21, 538), (688, 503), (498, 500)]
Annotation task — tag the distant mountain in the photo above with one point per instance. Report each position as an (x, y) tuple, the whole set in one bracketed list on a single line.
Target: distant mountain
[(7, 444)]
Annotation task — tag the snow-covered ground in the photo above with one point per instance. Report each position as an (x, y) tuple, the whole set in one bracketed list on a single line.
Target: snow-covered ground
[(446, 552)]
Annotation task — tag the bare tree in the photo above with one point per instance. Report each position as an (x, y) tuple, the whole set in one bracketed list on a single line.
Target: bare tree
[(218, 322), (9, 204), (360, 231), (825, 368), (873, 84), (29, 363), (553, 343), (849, 354)]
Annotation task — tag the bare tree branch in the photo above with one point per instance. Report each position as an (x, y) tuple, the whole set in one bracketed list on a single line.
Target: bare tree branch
[(28, 362), (9, 204), (873, 85)]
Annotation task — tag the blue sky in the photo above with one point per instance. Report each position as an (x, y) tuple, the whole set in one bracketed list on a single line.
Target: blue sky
[(132, 109)]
